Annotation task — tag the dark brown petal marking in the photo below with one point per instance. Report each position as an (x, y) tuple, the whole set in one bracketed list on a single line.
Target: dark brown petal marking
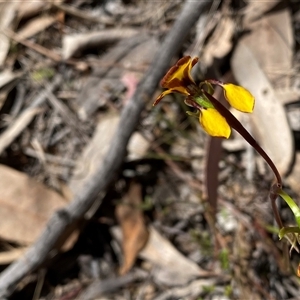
[(164, 82), (194, 61), (175, 83)]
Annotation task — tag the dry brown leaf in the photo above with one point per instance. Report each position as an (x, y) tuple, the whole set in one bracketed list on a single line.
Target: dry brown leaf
[(25, 206), (269, 120), (7, 17), (35, 26), (131, 219)]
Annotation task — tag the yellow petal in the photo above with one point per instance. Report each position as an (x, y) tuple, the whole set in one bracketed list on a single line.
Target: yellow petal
[(179, 75), (238, 97), (214, 123), (180, 90)]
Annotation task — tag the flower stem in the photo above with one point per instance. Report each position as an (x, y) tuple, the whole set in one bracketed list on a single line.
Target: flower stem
[(235, 123)]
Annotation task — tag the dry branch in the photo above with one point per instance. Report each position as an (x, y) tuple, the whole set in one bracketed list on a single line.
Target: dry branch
[(63, 219)]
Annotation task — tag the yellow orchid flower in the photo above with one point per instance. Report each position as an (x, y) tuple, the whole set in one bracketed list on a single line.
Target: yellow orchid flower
[(179, 80)]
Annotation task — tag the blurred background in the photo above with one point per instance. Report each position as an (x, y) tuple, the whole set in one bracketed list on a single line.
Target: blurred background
[(67, 69)]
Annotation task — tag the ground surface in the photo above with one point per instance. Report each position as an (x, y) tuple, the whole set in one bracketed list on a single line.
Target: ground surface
[(68, 68)]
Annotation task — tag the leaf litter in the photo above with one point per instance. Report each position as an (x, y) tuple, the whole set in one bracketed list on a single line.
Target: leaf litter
[(149, 235)]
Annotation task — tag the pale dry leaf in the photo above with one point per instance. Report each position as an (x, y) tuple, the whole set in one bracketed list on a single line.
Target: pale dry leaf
[(220, 43), (27, 9), (25, 206), (35, 26), (173, 268), (7, 76), (272, 43), (256, 9), (7, 257), (72, 44), (269, 121), (13, 131), (131, 219), (7, 19)]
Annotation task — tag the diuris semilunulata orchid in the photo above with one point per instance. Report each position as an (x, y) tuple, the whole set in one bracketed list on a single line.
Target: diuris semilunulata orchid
[(179, 80), (217, 121)]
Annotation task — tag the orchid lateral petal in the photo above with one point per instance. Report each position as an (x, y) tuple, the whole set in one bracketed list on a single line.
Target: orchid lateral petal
[(214, 123), (163, 94), (179, 75), (238, 97)]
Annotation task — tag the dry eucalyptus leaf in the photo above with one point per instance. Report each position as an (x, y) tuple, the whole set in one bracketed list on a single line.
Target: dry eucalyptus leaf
[(130, 217), (25, 206), (272, 43), (7, 17), (173, 268), (256, 9), (270, 126), (72, 44), (28, 9), (35, 26)]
